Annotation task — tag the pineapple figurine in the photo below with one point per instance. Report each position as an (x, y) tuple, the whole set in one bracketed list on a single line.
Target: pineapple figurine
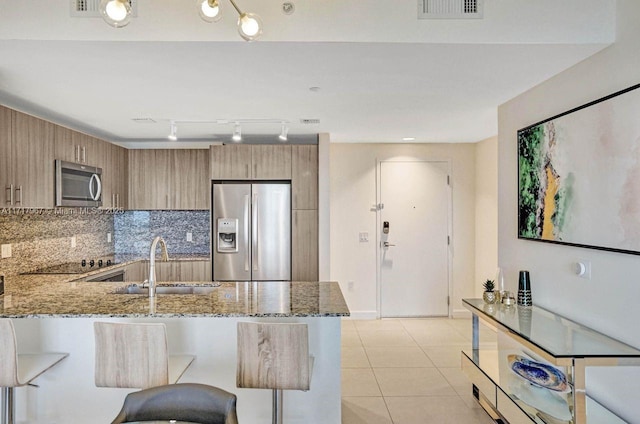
[(489, 294)]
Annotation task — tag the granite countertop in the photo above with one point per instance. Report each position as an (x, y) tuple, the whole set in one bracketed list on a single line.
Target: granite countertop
[(58, 296)]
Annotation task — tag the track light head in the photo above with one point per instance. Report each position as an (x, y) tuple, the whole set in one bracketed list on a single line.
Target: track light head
[(173, 134), (284, 133), (237, 133)]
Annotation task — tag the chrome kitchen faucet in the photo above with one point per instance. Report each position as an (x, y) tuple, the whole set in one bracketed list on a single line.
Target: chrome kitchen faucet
[(152, 262)]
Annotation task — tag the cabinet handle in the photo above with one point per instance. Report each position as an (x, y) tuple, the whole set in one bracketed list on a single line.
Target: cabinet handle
[(84, 154), (10, 196), (77, 152), (117, 200), (247, 168), (19, 188), (113, 200), (255, 170)]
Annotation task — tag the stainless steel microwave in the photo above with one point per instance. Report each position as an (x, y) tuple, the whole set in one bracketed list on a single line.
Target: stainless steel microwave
[(78, 185)]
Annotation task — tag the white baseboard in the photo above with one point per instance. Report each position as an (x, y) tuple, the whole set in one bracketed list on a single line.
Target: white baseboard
[(362, 315), (461, 313)]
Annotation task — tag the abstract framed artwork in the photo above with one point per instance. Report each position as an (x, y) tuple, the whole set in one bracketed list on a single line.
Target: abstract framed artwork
[(579, 176)]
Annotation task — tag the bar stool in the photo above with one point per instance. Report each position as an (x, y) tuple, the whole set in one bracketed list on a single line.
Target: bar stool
[(135, 355), (189, 402), (274, 356), (19, 369)]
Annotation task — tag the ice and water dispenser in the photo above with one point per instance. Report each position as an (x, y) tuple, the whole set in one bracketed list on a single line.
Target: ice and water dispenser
[(227, 235)]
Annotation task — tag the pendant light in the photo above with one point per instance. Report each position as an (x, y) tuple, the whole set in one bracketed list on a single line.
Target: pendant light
[(209, 10), (116, 13), (249, 24)]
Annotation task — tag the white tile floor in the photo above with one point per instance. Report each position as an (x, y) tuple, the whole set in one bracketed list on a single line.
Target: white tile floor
[(406, 371)]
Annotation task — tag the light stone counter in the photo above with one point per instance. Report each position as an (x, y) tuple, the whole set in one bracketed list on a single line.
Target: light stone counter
[(203, 325)]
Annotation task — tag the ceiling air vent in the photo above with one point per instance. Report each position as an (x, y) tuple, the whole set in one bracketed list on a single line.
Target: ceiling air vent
[(309, 121), (450, 9), (91, 8)]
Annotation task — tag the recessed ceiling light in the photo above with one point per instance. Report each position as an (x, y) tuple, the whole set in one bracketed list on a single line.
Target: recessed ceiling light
[(408, 138)]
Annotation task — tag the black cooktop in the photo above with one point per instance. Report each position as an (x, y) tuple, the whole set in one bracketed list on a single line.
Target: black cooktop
[(80, 267)]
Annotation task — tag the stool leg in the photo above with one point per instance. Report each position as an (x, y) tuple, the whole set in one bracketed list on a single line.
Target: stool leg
[(8, 405), (277, 411)]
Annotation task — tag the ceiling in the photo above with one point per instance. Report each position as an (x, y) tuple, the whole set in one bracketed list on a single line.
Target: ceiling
[(390, 77)]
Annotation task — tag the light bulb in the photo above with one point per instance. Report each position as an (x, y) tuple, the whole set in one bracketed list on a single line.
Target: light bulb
[(116, 13), (209, 10), (249, 26)]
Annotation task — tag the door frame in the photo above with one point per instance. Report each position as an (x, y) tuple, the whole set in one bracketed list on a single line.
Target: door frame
[(378, 206)]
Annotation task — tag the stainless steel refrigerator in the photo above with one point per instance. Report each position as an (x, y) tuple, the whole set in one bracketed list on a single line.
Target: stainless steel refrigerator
[(251, 234)]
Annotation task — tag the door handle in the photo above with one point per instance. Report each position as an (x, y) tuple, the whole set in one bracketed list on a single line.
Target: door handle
[(254, 230), (387, 244), (247, 252)]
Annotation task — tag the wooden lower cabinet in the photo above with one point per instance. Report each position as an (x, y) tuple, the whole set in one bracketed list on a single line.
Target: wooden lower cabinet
[(179, 271), (304, 249)]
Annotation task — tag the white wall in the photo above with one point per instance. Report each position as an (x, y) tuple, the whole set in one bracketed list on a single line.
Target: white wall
[(353, 192), (609, 301), (486, 212)]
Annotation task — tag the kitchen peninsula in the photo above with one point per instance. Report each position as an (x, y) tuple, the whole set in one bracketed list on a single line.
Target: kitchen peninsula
[(203, 325)]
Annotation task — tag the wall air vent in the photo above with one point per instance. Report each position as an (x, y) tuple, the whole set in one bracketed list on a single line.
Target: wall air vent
[(91, 8), (310, 121), (450, 9)]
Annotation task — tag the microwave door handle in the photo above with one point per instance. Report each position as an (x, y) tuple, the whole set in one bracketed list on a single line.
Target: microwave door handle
[(95, 196)]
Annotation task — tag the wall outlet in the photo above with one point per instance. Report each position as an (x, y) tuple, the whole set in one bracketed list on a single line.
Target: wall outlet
[(189, 236), (73, 242), (364, 237), (108, 237), (6, 251), (350, 285)]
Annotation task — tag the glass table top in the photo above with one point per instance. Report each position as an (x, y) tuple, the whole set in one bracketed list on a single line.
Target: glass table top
[(553, 333)]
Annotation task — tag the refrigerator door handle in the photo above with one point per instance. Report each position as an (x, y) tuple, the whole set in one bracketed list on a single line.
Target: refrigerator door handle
[(254, 232), (247, 252)]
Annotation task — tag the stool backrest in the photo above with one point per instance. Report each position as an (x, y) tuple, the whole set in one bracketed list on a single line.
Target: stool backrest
[(132, 355), (273, 356), (197, 403), (8, 355)]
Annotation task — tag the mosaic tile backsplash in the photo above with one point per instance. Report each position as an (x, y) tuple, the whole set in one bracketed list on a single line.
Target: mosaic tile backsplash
[(44, 238), (134, 231)]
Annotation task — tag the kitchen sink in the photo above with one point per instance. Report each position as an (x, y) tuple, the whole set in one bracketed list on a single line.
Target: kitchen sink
[(169, 289)]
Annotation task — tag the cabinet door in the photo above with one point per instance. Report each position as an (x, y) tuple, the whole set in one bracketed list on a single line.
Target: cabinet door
[(271, 162), (304, 252), (141, 179), (33, 156), (190, 187), (65, 147), (109, 176), (120, 164), (230, 162), (6, 162), (304, 177)]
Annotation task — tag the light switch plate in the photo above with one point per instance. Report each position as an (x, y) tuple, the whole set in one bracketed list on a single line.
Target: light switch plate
[(108, 237), (364, 237), (6, 251), (189, 236), (73, 242)]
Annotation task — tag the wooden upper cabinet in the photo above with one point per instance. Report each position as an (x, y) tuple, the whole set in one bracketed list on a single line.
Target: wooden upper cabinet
[(250, 162), (304, 176), (271, 162), (6, 162), (74, 146), (230, 162), (114, 164), (168, 179), (27, 174)]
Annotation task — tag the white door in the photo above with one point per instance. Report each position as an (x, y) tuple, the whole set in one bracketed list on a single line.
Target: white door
[(414, 254)]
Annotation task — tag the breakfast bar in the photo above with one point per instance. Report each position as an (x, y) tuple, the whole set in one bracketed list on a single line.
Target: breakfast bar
[(53, 313)]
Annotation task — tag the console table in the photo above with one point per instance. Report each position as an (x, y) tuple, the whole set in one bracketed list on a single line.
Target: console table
[(533, 343)]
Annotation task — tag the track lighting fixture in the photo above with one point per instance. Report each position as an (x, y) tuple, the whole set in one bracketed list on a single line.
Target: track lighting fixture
[(249, 24), (173, 134), (283, 133), (116, 13), (237, 133)]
